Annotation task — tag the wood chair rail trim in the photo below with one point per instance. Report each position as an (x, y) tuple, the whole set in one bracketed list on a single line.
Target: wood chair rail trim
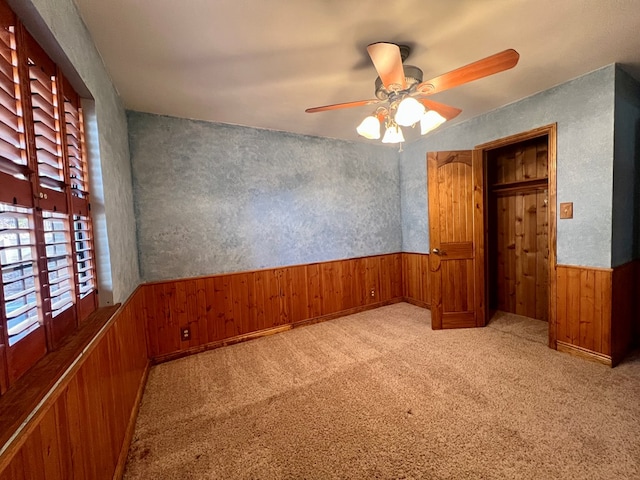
[(266, 269)]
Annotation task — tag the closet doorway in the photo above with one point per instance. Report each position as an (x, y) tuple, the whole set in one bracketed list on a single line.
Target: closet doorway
[(520, 233)]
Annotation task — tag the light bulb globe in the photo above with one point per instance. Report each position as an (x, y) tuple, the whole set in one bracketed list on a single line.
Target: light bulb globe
[(430, 121), (393, 135), (410, 111), (369, 128)]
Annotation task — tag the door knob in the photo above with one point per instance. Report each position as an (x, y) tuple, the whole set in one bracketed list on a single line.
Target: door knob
[(435, 251)]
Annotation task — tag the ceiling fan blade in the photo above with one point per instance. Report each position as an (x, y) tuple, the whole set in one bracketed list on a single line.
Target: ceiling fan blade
[(388, 62), (446, 111), (338, 106), (474, 71)]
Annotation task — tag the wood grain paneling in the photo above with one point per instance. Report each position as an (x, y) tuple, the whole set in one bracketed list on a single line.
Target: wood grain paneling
[(520, 161), (415, 279), (625, 309), (226, 308), (457, 286), (584, 308), (83, 427), (516, 173), (636, 294), (391, 283), (518, 225), (596, 310), (520, 254)]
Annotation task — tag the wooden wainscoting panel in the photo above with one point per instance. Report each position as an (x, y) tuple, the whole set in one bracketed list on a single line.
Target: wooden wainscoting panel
[(151, 317), (391, 281), (158, 312), (227, 308), (371, 290), (192, 312), (201, 311), (584, 308), (315, 291), (416, 287), (359, 289), (270, 298), (349, 282), (331, 274), (637, 305), (624, 314), (297, 290), (224, 305), (178, 299), (83, 428), (240, 290)]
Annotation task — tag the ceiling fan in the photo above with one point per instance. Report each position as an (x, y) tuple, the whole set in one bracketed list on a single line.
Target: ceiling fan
[(401, 92)]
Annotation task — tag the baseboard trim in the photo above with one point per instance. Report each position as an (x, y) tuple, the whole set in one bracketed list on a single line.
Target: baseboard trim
[(417, 303), (131, 426), (584, 353), (269, 331)]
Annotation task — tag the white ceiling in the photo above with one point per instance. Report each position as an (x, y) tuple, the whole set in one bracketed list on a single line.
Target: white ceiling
[(260, 63)]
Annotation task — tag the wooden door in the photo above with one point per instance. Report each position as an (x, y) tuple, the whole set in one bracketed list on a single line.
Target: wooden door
[(456, 231)]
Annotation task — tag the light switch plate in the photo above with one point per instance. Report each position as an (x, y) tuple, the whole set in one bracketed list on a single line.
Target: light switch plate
[(566, 210)]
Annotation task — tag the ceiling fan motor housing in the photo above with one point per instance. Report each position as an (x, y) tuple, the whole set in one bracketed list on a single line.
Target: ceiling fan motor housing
[(413, 76)]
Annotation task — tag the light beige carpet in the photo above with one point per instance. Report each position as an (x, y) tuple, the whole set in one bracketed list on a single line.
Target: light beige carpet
[(380, 395)]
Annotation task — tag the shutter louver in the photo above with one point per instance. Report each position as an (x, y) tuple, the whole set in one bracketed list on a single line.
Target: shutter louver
[(19, 272), (84, 255), (75, 147), (59, 261), (79, 181), (46, 121), (13, 157)]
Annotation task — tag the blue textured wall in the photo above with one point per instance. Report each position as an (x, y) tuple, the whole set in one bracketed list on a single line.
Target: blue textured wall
[(626, 172), (413, 192), (213, 198), (583, 109)]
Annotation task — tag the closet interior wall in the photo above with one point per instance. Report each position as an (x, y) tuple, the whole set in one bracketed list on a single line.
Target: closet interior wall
[(518, 228)]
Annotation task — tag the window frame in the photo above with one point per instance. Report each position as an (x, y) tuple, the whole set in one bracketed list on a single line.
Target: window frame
[(39, 84)]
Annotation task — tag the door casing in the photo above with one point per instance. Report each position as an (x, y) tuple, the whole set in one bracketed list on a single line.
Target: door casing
[(480, 160)]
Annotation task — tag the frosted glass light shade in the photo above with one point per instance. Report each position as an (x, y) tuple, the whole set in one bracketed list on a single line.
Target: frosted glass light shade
[(410, 111), (369, 128), (393, 135), (430, 121)]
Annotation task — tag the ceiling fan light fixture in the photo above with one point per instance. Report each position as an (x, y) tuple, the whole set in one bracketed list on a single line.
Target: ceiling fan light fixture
[(410, 111), (393, 135), (397, 85), (369, 127), (430, 121)]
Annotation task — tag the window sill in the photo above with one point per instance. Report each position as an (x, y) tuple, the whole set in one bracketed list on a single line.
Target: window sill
[(18, 403)]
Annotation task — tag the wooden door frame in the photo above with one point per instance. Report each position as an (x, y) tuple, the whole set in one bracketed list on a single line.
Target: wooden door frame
[(481, 199)]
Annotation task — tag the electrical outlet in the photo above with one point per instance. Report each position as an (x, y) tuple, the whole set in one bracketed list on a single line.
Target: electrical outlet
[(373, 293), (185, 334)]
